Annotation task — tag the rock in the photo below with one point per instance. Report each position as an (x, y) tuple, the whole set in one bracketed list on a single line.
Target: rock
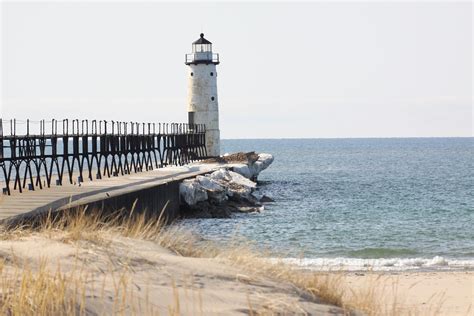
[(254, 165), (214, 189), (243, 207), (238, 187), (241, 180), (221, 175), (205, 209), (264, 160), (250, 209), (191, 192), (218, 186), (266, 199), (244, 170), (240, 157), (237, 191)]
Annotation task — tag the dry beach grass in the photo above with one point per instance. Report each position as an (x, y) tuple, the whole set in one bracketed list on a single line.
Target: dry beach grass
[(87, 262)]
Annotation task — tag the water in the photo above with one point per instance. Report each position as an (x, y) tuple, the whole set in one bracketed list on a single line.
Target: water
[(378, 203)]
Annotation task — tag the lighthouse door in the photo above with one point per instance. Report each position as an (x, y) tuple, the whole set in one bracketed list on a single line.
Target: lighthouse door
[(191, 118)]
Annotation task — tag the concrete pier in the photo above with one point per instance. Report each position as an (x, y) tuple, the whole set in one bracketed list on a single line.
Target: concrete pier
[(150, 190)]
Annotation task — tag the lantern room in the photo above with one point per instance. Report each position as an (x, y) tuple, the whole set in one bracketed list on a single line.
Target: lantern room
[(202, 53), (202, 45)]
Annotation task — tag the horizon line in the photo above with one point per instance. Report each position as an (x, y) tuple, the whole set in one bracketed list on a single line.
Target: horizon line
[(369, 137)]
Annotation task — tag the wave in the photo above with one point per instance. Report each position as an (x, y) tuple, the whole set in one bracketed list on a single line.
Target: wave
[(382, 264), (374, 253)]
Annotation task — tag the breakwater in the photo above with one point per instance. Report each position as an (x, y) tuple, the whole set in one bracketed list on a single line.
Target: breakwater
[(227, 190), (155, 191)]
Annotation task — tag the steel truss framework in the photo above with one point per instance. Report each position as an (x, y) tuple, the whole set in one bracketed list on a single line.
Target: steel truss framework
[(62, 150)]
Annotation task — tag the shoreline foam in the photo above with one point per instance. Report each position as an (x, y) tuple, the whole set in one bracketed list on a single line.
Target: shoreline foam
[(436, 263)]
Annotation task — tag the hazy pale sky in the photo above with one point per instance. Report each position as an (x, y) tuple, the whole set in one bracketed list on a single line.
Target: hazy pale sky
[(323, 69)]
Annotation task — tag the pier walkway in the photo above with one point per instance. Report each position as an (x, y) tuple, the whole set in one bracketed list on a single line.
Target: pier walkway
[(57, 165), (155, 188)]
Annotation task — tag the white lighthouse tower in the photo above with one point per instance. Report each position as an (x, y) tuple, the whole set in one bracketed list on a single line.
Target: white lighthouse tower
[(202, 92)]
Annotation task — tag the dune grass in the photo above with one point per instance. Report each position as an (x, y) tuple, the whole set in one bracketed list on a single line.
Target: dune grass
[(39, 291)]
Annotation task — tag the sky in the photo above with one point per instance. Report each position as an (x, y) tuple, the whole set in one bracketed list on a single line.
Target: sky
[(288, 70)]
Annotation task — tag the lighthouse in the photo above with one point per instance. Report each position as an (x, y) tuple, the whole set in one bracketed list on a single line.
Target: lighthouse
[(202, 92)]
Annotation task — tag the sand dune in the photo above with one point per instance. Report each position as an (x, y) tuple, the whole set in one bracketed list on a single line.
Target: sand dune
[(141, 277)]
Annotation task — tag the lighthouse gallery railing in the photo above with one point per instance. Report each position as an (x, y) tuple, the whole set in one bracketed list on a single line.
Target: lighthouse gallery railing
[(66, 149), (204, 58)]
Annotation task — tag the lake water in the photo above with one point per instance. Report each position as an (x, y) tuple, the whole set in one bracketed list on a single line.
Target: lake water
[(382, 204)]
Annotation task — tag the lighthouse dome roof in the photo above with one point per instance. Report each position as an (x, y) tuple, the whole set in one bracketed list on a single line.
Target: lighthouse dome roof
[(202, 40)]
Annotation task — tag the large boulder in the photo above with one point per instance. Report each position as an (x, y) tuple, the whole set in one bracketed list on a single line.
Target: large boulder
[(216, 191), (241, 180), (221, 175), (244, 170), (238, 186), (252, 169), (192, 192), (264, 160)]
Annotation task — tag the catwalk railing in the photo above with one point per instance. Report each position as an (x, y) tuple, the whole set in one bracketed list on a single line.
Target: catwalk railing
[(34, 153)]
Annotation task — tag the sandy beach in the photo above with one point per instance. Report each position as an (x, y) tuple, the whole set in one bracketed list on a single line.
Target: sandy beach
[(418, 293), (138, 276)]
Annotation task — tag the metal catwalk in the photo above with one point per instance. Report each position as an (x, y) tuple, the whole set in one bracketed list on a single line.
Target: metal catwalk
[(34, 153)]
